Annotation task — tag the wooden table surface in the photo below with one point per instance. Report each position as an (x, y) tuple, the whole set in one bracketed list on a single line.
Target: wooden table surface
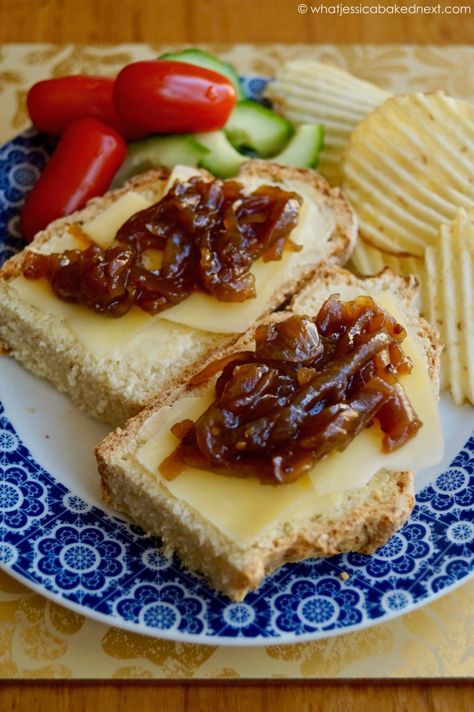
[(225, 21)]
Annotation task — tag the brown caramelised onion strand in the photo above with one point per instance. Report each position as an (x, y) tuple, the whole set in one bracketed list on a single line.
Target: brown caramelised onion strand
[(304, 393)]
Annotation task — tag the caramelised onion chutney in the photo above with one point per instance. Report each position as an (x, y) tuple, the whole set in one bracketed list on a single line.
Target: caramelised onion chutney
[(309, 388), (209, 232)]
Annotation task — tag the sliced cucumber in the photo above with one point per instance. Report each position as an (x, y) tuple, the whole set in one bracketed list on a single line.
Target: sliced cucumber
[(257, 127), (304, 148), (208, 61), (222, 159), (156, 151)]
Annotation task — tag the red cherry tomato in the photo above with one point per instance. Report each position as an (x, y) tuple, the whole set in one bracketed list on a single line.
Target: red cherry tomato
[(86, 159), (54, 103), (173, 97)]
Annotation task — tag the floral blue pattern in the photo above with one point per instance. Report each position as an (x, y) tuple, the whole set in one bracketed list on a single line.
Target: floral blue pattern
[(22, 500), (163, 607), (310, 604), (79, 559), (108, 568)]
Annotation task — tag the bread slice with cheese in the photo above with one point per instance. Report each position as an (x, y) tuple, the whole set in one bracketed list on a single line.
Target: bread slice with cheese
[(109, 367), (237, 531)]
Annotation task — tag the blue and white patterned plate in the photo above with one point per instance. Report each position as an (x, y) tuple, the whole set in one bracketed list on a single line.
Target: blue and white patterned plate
[(56, 536)]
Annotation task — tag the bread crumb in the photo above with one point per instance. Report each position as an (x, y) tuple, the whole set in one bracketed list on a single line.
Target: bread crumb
[(72, 376), (344, 576)]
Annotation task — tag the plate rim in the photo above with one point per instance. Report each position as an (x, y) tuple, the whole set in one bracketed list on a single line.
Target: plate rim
[(226, 641)]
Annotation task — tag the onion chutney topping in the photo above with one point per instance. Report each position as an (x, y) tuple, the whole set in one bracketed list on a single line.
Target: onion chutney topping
[(209, 234), (309, 388)]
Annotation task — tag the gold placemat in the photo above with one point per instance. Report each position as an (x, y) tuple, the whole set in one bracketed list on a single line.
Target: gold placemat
[(40, 639)]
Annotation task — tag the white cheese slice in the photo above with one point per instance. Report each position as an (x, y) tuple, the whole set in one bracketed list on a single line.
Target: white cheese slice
[(240, 508), (182, 174), (103, 228), (201, 311), (243, 509), (99, 334), (62, 242)]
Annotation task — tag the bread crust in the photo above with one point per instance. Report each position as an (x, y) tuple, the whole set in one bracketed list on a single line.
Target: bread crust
[(366, 521), (114, 392)]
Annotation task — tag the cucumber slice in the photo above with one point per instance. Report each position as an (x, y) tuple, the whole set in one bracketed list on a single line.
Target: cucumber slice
[(222, 159), (257, 127), (196, 56), (303, 150), (156, 151)]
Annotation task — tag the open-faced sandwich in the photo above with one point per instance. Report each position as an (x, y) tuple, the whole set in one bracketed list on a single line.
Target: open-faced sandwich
[(300, 440)]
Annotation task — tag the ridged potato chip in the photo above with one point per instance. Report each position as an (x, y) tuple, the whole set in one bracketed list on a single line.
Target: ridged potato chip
[(450, 280), (369, 260), (408, 167), (311, 92)]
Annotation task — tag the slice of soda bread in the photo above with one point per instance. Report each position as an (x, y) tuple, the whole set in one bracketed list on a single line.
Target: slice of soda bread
[(237, 531), (109, 367)]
